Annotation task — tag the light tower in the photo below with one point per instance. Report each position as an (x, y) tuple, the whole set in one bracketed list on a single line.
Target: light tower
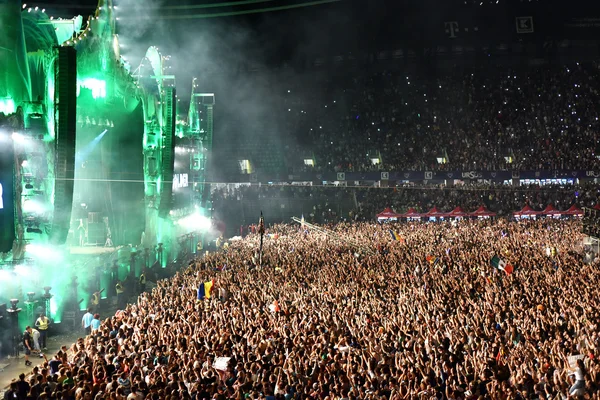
[(47, 296), (201, 127), (13, 312), (30, 303)]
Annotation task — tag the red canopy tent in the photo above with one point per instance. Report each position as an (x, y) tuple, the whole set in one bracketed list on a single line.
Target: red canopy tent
[(435, 213), (483, 212), (458, 212), (526, 212), (550, 210), (411, 213), (387, 214), (597, 207), (574, 210)]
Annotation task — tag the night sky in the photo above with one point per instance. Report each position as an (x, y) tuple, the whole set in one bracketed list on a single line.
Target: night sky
[(340, 26)]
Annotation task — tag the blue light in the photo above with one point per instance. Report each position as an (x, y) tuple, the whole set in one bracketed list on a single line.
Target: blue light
[(84, 153)]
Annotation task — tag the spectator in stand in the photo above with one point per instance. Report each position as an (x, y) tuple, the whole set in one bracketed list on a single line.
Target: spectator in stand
[(95, 324), (86, 321), (55, 363), (527, 119), (12, 392), (22, 387), (334, 204)]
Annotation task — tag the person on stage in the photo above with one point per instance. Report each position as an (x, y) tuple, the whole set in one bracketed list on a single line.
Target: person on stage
[(42, 324), (28, 344), (95, 302), (35, 334)]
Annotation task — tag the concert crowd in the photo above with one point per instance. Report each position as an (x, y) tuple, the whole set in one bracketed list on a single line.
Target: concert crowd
[(543, 118), (356, 310), (354, 313), (324, 204)]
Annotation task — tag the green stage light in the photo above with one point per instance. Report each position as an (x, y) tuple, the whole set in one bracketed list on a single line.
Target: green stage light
[(97, 86), (97, 67), (54, 310), (7, 106)]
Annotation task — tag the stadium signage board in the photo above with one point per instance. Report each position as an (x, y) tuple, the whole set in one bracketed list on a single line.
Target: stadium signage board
[(419, 176)]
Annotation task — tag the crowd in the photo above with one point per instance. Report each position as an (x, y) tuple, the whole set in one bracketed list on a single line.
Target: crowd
[(318, 204), (330, 204), (542, 118), (503, 200), (353, 313)]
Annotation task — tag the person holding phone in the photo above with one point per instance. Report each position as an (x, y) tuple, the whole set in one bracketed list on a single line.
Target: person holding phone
[(11, 393)]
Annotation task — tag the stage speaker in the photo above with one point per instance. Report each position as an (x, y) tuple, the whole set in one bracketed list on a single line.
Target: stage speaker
[(65, 105), (168, 153), (96, 233), (7, 185), (5, 342)]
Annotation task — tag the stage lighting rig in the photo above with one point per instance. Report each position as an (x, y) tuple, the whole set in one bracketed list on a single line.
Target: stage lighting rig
[(13, 306), (13, 312), (30, 303), (146, 257), (132, 258), (5, 336), (47, 296)]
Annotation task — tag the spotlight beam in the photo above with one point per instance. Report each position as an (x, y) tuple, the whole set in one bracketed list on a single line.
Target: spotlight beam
[(87, 150)]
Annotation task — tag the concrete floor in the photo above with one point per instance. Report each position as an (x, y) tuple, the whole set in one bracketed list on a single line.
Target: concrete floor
[(11, 368)]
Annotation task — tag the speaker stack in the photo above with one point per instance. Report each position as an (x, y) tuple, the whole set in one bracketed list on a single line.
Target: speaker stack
[(168, 154), (65, 106)]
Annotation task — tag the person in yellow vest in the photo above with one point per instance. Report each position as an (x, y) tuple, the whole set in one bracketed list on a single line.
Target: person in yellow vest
[(42, 324), (142, 283), (95, 302), (120, 295)]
